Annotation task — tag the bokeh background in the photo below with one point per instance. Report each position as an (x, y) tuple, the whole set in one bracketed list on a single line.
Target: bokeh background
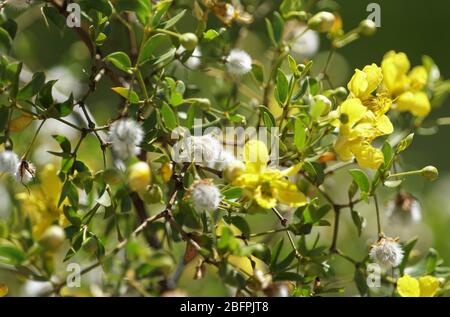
[(416, 27)]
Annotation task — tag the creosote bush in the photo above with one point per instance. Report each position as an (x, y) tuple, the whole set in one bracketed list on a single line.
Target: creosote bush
[(209, 160)]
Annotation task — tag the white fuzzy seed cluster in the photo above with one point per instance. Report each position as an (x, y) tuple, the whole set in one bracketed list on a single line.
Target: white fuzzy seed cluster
[(21, 171), (126, 136), (205, 196), (205, 150), (306, 44), (387, 252), (238, 62)]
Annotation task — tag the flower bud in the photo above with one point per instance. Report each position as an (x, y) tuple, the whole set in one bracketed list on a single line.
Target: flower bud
[(166, 172), (322, 22), (326, 101), (430, 173), (139, 176), (367, 27), (52, 238), (151, 195), (233, 170), (189, 41), (340, 92)]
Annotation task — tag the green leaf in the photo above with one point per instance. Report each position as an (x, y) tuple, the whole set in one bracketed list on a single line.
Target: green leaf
[(50, 13), (232, 193), (12, 255), (131, 96), (168, 116), (407, 248), (64, 143), (120, 60), (360, 179), (299, 134), (278, 26), (150, 45), (267, 116), (161, 9), (45, 97), (357, 220), (72, 216), (210, 34), (103, 6), (282, 87), (5, 40), (388, 153), (33, 87), (242, 225), (172, 21), (12, 75), (271, 33), (258, 72), (360, 281)]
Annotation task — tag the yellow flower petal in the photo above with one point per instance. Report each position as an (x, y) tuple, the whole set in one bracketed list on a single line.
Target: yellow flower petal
[(354, 110), (418, 77), (364, 82), (256, 156), (367, 155), (408, 286), (429, 286), (289, 194), (384, 125), (395, 67), (415, 102), (291, 171)]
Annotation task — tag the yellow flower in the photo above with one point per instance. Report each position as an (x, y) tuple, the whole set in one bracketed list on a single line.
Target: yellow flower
[(265, 185), (358, 127), (362, 118), (406, 88), (42, 202), (365, 81), (425, 286)]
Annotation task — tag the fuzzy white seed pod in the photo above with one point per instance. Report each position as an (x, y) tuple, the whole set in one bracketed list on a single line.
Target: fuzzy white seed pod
[(387, 252), (306, 43), (9, 162), (126, 136), (25, 172), (19, 4), (205, 196), (238, 62)]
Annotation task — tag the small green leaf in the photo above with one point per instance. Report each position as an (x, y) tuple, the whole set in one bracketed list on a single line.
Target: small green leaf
[(11, 255), (169, 117), (33, 87), (232, 193), (150, 45), (299, 134), (63, 142), (120, 60), (5, 40), (210, 35), (360, 179), (242, 225), (131, 96), (282, 87)]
